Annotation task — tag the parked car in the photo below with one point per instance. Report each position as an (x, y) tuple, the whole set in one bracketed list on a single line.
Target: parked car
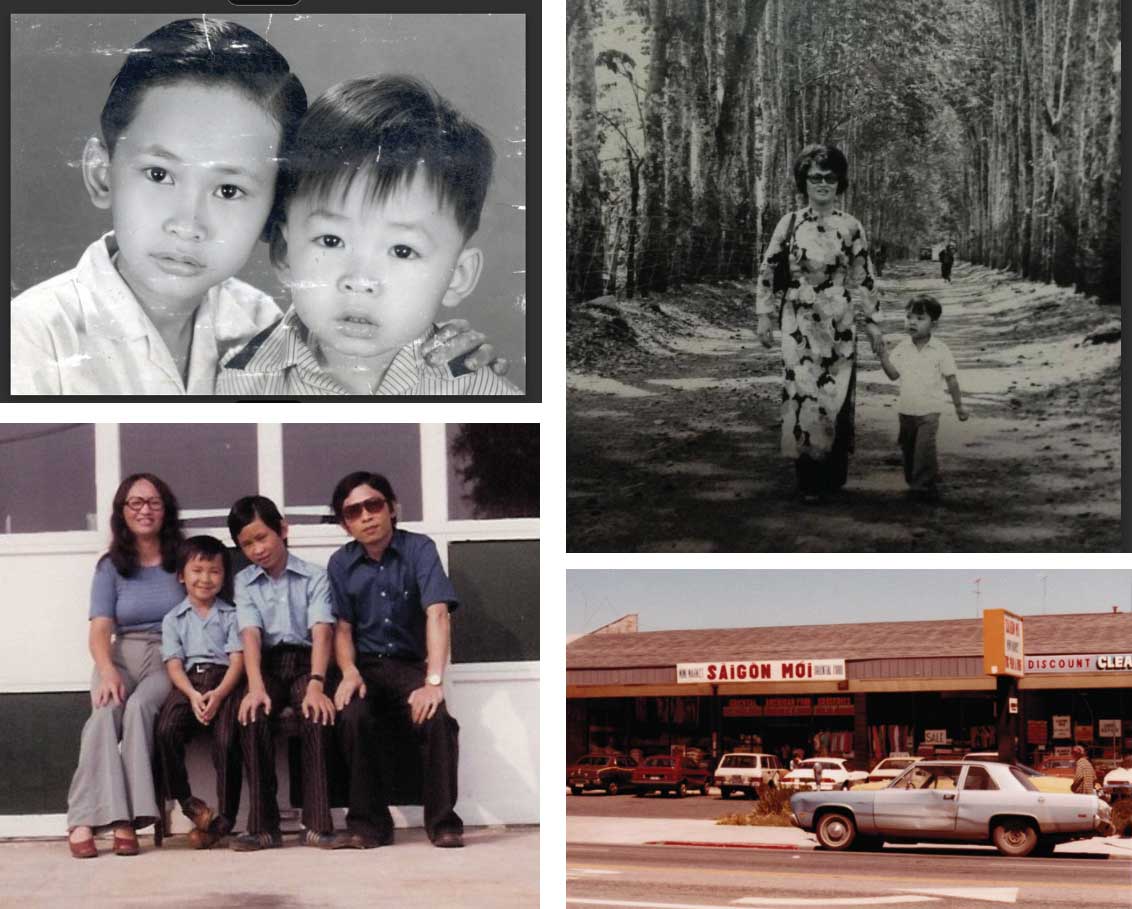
[(745, 771), (926, 252), (664, 773), (953, 801), (890, 768), (836, 773), (1044, 782), (610, 772), (1058, 766)]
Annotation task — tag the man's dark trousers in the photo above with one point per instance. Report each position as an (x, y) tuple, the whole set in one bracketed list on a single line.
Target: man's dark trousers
[(366, 728)]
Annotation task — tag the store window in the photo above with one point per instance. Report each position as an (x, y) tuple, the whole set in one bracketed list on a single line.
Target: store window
[(207, 465), (317, 456), (493, 470), (47, 477), (498, 617)]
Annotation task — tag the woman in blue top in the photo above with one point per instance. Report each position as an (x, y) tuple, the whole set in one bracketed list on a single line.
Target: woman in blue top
[(135, 584)]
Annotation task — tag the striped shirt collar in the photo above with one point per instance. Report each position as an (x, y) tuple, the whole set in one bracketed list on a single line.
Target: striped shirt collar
[(289, 351)]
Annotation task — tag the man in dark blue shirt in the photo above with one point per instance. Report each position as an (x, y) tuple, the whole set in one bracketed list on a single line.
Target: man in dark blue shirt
[(391, 599)]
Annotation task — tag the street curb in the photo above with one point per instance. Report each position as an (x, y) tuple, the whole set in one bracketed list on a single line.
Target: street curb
[(785, 846)]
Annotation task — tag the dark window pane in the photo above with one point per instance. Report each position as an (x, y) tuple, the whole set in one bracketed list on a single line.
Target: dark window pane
[(317, 456), (47, 477), (207, 465), (493, 470), (498, 618)]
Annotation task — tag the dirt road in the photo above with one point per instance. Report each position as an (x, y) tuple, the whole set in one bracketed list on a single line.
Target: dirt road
[(673, 427)]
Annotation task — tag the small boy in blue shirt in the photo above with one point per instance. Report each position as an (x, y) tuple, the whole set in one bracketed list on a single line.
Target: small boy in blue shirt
[(383, 192), (203, 656)]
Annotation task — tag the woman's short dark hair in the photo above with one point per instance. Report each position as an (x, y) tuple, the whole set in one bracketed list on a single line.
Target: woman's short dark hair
[(352, 481), (208, 52), (249, 509), (207, 547), (828, 156), (387, 129), (123, 551)]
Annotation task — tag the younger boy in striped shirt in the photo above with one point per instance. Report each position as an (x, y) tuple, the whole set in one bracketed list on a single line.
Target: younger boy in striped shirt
[(384, 190)]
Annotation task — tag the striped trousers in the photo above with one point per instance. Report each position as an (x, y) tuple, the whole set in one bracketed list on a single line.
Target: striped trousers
[(177, 725), (286, 672)]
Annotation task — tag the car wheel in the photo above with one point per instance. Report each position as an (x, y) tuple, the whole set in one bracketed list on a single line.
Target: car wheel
[(612, 788), (836, 831), (681, 789), (1015, 837), (724, 792), (703, 787), (640, 793), (577, 790)]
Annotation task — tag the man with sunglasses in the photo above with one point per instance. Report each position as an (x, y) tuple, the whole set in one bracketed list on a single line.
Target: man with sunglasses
[(391, 599)]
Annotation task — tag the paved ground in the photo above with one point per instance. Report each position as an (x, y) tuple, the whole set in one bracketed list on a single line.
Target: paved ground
[(498, 868)]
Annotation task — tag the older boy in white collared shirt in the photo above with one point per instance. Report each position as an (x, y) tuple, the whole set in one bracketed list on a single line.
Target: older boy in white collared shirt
[(924, 366)]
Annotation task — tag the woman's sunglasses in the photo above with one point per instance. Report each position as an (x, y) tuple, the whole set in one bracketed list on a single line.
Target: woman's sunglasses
[(822, 178), (376, 505)]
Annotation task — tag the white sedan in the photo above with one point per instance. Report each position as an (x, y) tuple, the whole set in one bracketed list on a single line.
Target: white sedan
[(825, 773)]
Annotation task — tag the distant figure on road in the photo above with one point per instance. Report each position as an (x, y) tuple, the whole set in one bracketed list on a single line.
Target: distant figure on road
[(880, 257), (946, 260)]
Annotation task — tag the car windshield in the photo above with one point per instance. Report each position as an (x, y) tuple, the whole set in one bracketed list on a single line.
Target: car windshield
[(739, 760), (895, 763), (1022, 775), (595, 760), (659, 762)]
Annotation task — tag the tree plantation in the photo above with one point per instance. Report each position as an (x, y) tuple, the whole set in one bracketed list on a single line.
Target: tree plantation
[(991, 123)]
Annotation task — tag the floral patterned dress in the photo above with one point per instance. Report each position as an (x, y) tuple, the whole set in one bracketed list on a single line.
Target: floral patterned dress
[(830, 289)]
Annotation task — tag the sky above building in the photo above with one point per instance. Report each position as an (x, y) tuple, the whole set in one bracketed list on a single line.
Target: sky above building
[(682, 599)]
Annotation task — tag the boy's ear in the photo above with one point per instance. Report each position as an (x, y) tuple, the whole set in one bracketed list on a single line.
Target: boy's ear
[(96, 172), (465, 276), (278, 253)]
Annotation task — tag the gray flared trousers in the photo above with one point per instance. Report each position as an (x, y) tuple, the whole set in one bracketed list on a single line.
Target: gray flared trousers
[(114, 779)]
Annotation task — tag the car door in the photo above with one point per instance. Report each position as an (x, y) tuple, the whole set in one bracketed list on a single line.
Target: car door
[(979, 798), (923, 801)]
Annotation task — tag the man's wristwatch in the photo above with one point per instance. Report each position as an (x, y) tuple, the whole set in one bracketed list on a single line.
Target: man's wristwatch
[(433, 679)]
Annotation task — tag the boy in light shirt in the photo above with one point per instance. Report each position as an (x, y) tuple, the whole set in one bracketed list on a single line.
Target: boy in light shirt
[(924, 366)]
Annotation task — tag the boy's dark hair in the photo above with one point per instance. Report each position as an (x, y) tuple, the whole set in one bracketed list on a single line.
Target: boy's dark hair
[(925, 306), (352, 481), (208, 52), (828, 156), (388, 129), (206, 547), (251, 508)]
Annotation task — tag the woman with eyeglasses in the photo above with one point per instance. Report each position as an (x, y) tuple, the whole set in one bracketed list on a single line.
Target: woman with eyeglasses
[(828, 295), (134, 585)]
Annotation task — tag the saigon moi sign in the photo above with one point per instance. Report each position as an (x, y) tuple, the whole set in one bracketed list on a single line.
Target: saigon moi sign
[(762, 671), (1079, 662)]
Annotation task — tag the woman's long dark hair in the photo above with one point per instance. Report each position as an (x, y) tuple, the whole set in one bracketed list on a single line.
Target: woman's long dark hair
[(123, 544)]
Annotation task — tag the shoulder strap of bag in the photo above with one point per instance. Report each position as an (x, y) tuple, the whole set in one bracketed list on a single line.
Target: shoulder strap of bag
[(786, 265)]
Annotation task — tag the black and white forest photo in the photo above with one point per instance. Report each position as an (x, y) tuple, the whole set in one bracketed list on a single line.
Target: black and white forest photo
[(843, 275)]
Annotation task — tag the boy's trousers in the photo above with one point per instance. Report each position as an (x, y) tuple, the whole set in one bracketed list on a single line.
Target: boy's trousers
[(366, 728), (917, 444), (286, 672), (177, 724)]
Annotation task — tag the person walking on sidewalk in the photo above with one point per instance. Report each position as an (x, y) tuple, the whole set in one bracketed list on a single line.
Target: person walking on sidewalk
[(1084, 776)]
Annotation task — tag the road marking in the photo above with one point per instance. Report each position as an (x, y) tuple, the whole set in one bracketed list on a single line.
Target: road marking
[(909, 882), (591, 871), (987, 894), (764, 901)]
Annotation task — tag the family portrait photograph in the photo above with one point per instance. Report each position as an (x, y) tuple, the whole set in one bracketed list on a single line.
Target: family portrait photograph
[(290, 204)]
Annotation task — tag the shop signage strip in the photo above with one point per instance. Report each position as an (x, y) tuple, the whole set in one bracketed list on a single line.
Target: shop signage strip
[(761, 671), (1078, 662)]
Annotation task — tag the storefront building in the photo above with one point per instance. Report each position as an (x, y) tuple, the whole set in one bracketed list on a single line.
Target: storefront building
[(863, 691)]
